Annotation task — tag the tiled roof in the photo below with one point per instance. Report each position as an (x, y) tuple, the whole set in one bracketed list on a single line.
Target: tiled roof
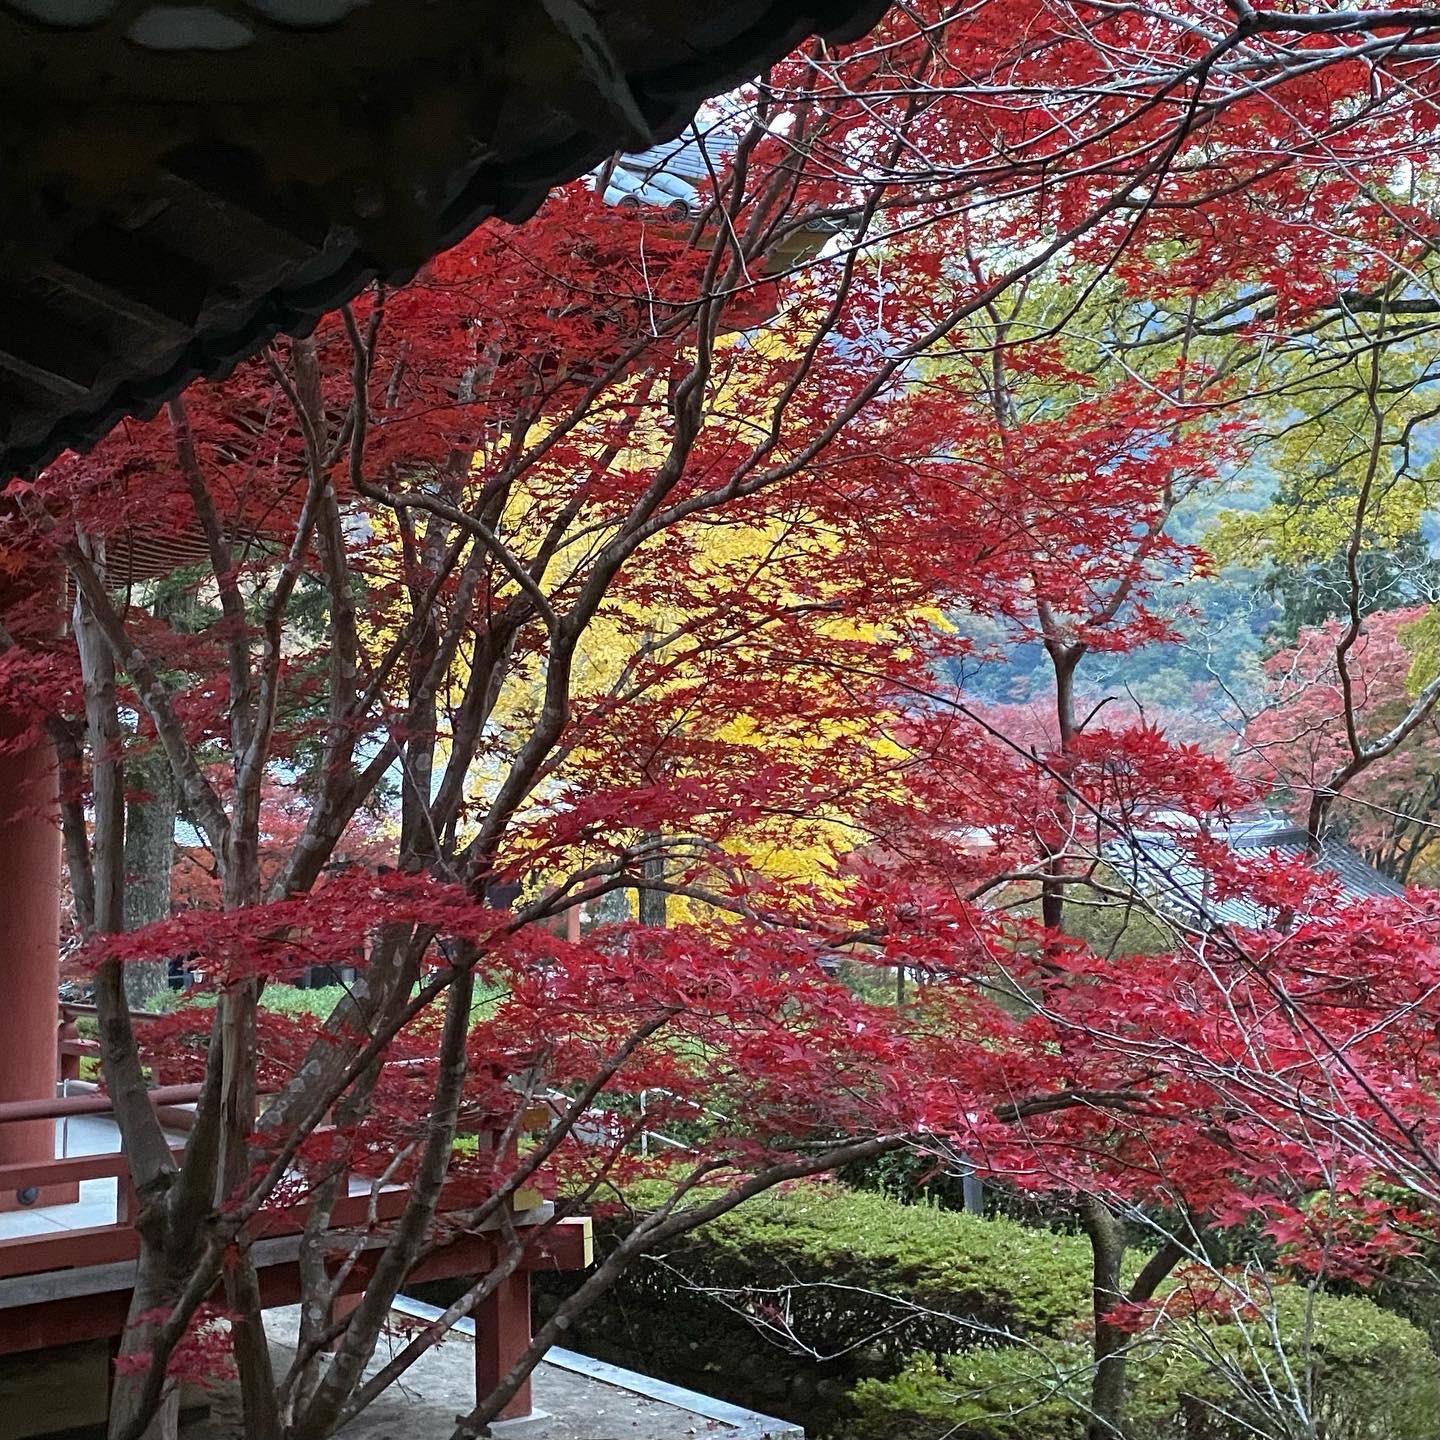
[(1159, 866), (670, 176), (180, 183)]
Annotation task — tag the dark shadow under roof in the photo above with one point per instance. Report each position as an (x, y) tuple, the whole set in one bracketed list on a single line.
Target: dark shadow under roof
[(179, 183)]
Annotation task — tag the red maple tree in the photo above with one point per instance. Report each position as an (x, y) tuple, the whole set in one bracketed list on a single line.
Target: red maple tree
[(1345, 729), (445, 494)]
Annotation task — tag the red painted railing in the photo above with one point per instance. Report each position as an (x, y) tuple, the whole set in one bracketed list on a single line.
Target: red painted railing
[(46, 1311), (74, 1047)]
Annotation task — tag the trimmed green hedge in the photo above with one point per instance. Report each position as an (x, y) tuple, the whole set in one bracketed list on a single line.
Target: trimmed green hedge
[(841, 1264), (995, 1274), (845, 1311), (1357, 1371)]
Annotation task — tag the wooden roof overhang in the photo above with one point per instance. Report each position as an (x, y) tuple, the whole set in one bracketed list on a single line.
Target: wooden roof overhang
[(180, 182)]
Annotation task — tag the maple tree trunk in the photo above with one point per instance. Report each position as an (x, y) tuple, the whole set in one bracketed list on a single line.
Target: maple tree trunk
[(249, 1341), (321, 1271), (149, 858), (412, 1232), (251, 1348), (1107, 1385), (653, 906), (133, 1410), (1064, 659), (1108, 1244)]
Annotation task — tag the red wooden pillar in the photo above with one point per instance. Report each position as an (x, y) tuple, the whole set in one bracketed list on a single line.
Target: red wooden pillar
[(29, 951), (342, 1307), (502, 1336)]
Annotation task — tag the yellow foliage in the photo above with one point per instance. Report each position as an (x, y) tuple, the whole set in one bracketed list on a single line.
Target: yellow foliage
[(654, 645)]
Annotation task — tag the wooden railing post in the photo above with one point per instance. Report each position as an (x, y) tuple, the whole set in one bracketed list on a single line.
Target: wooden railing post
[(127, 1199), (502, 1335), (69, 1047)]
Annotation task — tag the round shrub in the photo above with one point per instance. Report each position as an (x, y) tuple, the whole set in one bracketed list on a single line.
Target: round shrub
[(1306, 1365)]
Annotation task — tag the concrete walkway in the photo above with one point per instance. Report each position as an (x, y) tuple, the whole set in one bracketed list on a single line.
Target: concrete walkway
[(575, 1398)]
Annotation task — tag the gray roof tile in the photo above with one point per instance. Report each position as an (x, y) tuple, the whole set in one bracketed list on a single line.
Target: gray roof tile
[(1158, 865)]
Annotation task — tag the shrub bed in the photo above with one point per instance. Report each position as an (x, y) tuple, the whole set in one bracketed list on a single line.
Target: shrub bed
[(788, 1281), (1356, 1371), (856, 1315)]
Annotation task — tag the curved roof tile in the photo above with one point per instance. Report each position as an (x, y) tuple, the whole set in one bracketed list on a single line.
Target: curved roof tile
[(180, 182)]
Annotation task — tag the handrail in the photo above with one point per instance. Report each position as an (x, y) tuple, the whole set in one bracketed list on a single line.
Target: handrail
[(117, 1240), (107, 1165), (75, 1007), (12, 1112)]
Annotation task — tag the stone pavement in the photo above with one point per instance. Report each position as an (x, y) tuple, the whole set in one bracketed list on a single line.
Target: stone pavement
[(577, 1399)]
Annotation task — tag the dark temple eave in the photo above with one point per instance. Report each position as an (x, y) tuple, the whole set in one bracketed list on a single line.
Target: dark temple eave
[(179, 183)]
